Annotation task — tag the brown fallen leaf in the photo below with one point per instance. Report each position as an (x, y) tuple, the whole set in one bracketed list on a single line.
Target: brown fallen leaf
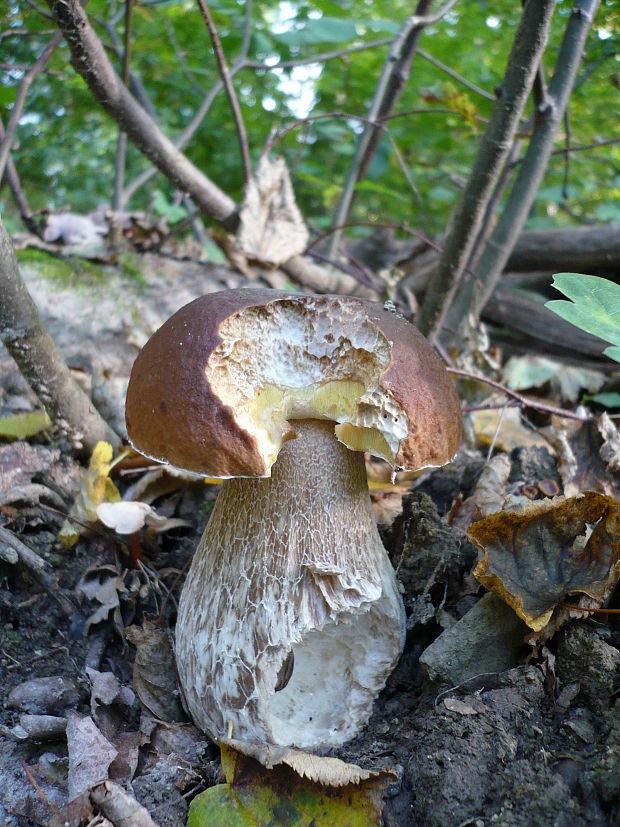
[(90, 754), (154, 672), (588, 455), (548, 550)]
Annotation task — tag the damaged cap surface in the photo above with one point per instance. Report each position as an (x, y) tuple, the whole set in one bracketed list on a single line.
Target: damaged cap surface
[(216, 388)]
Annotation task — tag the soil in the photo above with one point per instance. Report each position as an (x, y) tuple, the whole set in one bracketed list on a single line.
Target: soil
[(536, 744)]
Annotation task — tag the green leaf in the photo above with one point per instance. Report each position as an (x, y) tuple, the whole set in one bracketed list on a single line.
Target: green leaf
[(281, 797), (594, 307), (162, 206), (23, 425), (609, 400)]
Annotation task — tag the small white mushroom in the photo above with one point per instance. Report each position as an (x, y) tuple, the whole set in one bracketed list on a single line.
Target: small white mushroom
[(290, 620)]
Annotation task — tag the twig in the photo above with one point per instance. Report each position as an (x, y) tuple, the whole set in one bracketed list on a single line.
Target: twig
[(121, 147), (20, 99), (33, 781), (493, 151), (230, 90), (19, 196), (390, 85), (24, 336), (532, 168), (526, 401), (190, 130), (37, 567), (90, 60), (321, 57), (456, 76)]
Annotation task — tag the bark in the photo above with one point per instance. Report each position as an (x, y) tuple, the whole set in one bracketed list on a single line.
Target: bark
[(24, 336), (581, 249), (91, 62), (548, 118), (495, 146), (19, 196)]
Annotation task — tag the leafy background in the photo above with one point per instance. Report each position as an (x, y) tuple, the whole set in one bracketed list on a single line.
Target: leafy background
[(66, 144)]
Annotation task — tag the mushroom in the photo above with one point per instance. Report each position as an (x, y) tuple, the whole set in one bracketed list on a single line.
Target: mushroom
[(291, 618)]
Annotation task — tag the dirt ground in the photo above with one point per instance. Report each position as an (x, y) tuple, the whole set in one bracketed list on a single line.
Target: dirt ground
[(535, 742)]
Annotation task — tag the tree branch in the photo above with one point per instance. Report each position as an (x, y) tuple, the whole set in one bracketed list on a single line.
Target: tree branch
[(394, 76), (19, 196), (230, 90), (20, 100), (493, 151), (91, 62), (121, 147), (455, 75), (548, 118), (190, 130), (24, 336)]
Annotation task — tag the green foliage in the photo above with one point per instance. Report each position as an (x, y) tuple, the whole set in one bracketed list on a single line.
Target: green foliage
[(66, 144), (594, 306)]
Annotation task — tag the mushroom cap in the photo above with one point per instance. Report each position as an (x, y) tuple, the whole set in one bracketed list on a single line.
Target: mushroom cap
[(216, 389)]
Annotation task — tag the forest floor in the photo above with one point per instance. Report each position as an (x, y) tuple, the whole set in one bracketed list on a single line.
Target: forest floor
[(483, 730)]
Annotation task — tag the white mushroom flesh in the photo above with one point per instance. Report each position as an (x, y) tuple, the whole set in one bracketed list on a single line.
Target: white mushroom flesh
[(320, 360), (293, 562)]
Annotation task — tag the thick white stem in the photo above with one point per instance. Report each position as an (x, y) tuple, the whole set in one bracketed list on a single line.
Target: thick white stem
[(293, 563)]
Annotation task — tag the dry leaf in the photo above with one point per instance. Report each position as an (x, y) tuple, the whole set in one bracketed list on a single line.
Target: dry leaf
[(505, 426), (96, 487), (286, 787), (90, 754), (588, 455), (460, 707), (271, 227), (551, 549), (154, 672)]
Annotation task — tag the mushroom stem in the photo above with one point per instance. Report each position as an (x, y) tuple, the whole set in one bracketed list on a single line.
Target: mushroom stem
[(292, 563)]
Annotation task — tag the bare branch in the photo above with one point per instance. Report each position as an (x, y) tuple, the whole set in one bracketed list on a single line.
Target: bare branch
[(90, 60), (392, 81), (526, 401), (455, 75), (321, 57), (24, 336), (121, 148), (230, 89), (548, 119), (20, 100), (493, 152), (188, 133), (19, 196)]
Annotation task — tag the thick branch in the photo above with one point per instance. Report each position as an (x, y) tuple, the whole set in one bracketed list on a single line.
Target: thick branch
[(493, 151), (20, 100), (230, 89), (548, 118), (90, 60), (24, 336)]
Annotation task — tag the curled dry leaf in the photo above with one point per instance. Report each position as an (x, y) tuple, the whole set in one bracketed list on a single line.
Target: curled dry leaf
[(536, 557), (287, 787), (96, 487), (504, 427), (271, 226)]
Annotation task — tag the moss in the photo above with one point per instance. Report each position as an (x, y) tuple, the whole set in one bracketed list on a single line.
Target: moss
[(129, 264), (66, 272)]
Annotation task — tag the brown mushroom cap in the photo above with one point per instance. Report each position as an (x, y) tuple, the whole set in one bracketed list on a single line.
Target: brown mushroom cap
[(176, 415)]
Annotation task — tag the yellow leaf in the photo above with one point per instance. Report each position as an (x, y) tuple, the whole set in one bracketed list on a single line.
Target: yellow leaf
[(295, 789), (96, 488)]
